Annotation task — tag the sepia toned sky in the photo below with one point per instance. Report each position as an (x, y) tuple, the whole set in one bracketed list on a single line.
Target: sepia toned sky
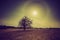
[(43, 13)]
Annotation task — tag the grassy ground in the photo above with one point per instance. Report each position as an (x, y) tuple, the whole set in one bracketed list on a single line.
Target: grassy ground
[(30, 34)]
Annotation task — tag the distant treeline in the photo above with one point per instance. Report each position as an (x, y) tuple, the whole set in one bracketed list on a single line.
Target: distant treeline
[(7, 27)]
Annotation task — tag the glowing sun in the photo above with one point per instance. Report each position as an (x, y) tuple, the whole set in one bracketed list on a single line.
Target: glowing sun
[(34, 12)]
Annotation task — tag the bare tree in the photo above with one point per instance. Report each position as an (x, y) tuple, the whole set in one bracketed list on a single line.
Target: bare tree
[(25, 22)]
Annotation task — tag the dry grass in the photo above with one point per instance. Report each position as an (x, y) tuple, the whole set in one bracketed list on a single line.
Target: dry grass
[(30, 34)]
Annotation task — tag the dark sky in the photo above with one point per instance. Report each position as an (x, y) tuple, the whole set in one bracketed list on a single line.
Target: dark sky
[(8, 6), (55, 6)]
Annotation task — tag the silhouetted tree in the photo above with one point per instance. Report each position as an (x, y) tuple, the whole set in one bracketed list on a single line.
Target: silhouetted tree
[(25, 22)]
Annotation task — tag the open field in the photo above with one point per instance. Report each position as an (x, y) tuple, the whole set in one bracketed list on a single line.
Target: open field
[(30, 34)]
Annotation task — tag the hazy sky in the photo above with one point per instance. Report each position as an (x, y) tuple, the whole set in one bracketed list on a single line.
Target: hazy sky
[(43, 13)]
